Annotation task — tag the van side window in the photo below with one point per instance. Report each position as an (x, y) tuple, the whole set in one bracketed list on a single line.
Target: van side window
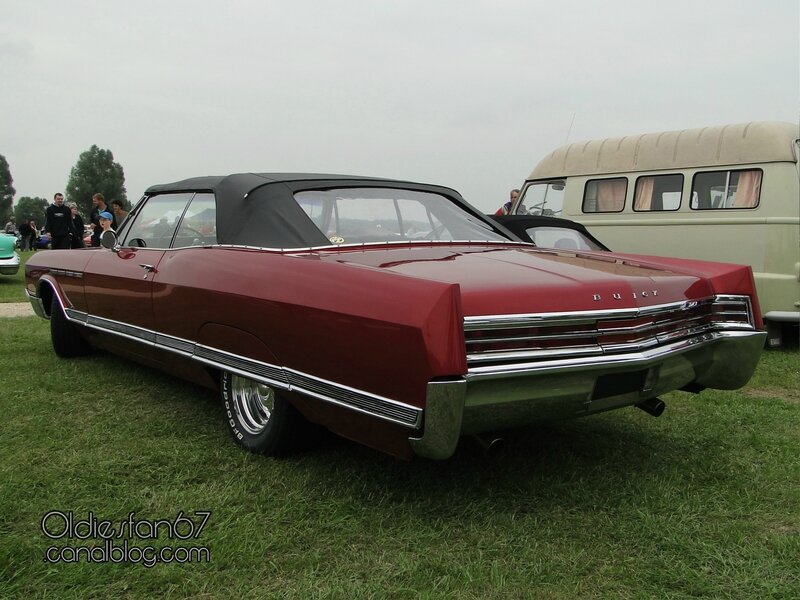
[(658, 192), (726, 189), (605, 195)]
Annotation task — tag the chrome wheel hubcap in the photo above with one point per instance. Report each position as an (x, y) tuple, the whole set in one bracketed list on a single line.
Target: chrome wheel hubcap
[(253, 403)]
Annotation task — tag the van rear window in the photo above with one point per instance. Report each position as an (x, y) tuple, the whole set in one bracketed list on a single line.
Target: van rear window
[(658, 192), (605, 195), (726, 189)]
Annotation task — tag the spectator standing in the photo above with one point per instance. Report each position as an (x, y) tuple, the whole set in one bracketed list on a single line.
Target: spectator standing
[(106, 220), (77, 227), (26, 234), (506, 208), (34, 236), (11, 226), (118, 208), (99, 202), (58, 221)]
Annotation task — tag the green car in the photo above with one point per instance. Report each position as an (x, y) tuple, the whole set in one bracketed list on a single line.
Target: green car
[(9, 259)]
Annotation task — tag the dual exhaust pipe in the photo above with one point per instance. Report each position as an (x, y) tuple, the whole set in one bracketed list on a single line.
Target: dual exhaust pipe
[(652, 406), (489, 444)]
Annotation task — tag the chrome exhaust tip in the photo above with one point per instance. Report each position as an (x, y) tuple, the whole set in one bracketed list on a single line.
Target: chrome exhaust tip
[(652, 406), (490, 444)]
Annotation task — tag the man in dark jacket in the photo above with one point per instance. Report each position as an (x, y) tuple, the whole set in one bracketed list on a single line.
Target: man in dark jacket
[(26, 233), (58, 221)]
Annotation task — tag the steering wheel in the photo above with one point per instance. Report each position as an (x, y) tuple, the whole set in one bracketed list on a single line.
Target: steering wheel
[(199, 234), (433, 235)]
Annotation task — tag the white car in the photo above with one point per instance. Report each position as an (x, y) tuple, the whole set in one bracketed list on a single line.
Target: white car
[(9, 259)]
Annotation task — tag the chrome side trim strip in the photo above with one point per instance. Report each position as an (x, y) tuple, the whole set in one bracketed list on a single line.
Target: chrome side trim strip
[(129, 331), (275, 375), (180, 346), (264, 372), (66, 273), (351, 245), (398, 412), (76, 315)]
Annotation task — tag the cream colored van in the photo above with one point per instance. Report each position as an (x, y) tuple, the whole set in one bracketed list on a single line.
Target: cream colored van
[(727, 193)]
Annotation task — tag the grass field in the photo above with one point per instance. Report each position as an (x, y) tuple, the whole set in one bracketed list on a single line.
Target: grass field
[(701, 502)]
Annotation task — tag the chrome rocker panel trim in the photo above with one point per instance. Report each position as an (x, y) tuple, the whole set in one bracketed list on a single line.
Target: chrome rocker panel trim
[(274, 375)]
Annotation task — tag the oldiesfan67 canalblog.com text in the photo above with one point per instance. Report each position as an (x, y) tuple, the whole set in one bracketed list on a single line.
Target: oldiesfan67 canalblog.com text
[(94, 540)]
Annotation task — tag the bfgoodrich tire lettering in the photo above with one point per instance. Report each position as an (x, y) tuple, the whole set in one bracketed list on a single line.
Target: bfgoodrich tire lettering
[(67, 341), (258, 417)]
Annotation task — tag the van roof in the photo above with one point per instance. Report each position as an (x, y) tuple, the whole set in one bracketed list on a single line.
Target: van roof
[(741, 143)]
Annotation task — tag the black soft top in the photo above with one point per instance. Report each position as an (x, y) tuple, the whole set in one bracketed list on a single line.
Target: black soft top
[(253, 207)]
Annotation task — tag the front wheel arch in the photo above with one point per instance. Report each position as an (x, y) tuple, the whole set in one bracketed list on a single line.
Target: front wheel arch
[(67, 340)]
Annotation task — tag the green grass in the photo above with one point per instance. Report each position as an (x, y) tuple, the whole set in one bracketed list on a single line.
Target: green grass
[(702, 502), (12, 287)]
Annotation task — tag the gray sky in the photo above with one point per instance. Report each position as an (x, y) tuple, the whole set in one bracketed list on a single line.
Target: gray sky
[(470, 93)]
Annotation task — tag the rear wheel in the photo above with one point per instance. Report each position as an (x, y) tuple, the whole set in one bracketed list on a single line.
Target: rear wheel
[(67, 341), (258, 417)]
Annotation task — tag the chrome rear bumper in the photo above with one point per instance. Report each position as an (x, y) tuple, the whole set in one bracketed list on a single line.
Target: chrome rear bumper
[(10, 266), (493, 398)]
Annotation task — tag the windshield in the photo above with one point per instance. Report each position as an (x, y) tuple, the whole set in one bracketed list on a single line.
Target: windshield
[(560, 237), (369, 215), (541, 198)]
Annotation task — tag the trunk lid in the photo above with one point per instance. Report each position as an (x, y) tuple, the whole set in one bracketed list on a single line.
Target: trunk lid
[(517, 279)]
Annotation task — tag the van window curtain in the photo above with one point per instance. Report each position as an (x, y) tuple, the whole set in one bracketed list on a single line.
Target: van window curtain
[(748, 189), (611, 195), (644, 193)]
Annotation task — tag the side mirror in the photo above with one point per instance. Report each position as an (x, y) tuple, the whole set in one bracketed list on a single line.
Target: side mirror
[(108, 239)]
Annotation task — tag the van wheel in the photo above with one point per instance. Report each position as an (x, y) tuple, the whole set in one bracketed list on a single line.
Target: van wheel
[(258, 417), (67, 340)]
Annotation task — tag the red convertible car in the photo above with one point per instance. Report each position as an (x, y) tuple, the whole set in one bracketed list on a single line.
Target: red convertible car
[(392, 313)]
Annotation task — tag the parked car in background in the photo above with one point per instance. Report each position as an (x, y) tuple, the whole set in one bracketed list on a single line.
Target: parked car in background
[(9, 259), (727, 193), (550, 232), (393, 313), (43, 241)]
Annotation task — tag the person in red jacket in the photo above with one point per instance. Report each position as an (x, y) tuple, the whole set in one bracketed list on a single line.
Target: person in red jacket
[(506, 208)]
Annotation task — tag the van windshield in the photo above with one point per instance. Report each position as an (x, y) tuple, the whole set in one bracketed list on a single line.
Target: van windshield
[(541, 198)]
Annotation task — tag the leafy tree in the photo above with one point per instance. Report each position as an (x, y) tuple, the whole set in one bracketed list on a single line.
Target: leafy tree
[(95, 172), (7, 190), (28, 208)]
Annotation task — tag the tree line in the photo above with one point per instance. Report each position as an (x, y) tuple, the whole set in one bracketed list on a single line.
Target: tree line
[(94, 172)]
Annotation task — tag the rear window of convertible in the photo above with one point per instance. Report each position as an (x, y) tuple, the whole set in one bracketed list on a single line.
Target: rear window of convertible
[(368, 215)]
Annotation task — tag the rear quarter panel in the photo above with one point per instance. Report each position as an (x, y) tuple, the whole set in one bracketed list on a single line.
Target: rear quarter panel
[(379, 332)]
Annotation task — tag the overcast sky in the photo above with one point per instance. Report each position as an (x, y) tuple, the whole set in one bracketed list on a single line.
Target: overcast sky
[(469, 93)]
